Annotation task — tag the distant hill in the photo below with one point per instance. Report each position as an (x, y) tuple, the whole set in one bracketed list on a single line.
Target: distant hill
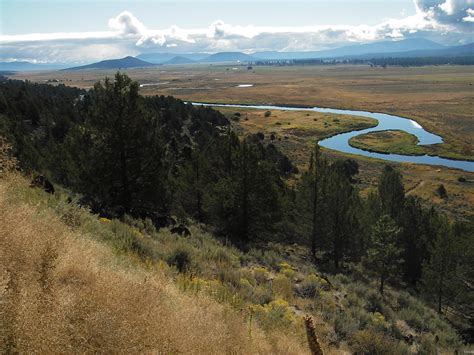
[(27, 66), (123, 63), (161, 58), (406, 45), (229, 57), (464, 50), (179, 60)]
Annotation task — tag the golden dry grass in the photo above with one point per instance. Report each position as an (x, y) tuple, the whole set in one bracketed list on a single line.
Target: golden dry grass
[(62, 292)]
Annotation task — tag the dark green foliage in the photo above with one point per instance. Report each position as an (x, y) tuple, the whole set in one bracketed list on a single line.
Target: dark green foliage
[(391, 192), (123, 151), (441, 191), (383, 255)]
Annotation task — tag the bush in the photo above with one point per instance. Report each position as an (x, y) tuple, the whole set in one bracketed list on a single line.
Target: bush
[(413, 318), (180, 258), (371, 342), (282, 287), (345, 326), (128, 239), (268, 113), (260, 274), (274, 314), (311, 286), (441, 191), (262, 295)]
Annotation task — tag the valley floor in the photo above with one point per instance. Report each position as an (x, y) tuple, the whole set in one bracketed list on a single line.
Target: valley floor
[(440, 98)]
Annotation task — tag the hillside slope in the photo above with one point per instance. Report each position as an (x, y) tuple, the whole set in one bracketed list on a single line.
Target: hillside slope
[(76, 281), (61, 290)]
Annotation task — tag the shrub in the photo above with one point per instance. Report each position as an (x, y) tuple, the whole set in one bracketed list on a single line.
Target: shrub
[(345, 326), (274, 314), (230, 276), (260, 274), (441, 191), (127, 239), (311, 286), (180, 258), (374, 301), (461, 179), (268, 113), (262, 294), (371, 342), (413, 318), (287, 270), (282, 287)]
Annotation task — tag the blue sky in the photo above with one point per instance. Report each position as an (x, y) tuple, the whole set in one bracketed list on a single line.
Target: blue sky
[(27, 16), (83, 30)]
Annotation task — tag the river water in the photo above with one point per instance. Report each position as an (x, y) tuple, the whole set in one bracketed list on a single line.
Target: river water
[(340, 142)]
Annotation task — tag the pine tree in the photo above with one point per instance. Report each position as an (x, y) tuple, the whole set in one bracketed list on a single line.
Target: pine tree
[(124, 152), (391, 192), (384, 255), (440, 271)]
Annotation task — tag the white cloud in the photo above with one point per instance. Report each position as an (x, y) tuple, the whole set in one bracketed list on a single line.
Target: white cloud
[(470, 16), (446, 21), (127, 24)]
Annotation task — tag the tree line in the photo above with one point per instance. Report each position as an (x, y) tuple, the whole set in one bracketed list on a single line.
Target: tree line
[(150, 157), (374, 62)]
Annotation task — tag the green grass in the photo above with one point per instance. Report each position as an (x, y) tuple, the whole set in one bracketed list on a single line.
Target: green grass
[(400, 142)]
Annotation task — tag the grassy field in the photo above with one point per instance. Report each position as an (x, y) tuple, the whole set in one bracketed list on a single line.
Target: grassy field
[(439, 98), (397, 142)]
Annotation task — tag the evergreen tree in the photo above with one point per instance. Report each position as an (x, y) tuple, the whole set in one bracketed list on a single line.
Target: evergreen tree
[(440, 271), (391, 192), (124, 152), (384, 255)]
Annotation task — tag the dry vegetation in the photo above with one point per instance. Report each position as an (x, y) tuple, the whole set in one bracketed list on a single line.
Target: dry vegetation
[(63, 292), (74, 282)]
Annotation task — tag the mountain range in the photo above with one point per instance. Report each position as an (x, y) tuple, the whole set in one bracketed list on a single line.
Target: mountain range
[(415, 47)]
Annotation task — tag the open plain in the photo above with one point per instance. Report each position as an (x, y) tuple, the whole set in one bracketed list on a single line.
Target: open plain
[(440, 98)]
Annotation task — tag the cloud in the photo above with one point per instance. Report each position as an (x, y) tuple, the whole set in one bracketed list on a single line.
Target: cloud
[(470, 16), (444, 21), (446, 12), (127, 24)]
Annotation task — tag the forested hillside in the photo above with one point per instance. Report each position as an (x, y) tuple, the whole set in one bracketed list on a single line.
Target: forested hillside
[(149, 161)]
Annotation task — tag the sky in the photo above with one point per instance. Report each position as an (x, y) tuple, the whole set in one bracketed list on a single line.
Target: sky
[(81, 31)]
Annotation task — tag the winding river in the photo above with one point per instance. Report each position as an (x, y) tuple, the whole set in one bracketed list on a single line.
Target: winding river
[(340, 142)]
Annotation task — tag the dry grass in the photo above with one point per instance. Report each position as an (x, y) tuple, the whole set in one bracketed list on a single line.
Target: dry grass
[(62, 292)]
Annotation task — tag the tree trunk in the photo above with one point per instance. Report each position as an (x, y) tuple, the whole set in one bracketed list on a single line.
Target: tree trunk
[(382, 282), (314, 221)]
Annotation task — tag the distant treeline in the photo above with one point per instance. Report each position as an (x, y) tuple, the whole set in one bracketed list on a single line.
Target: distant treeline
[(380, 62), (154, 157)]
